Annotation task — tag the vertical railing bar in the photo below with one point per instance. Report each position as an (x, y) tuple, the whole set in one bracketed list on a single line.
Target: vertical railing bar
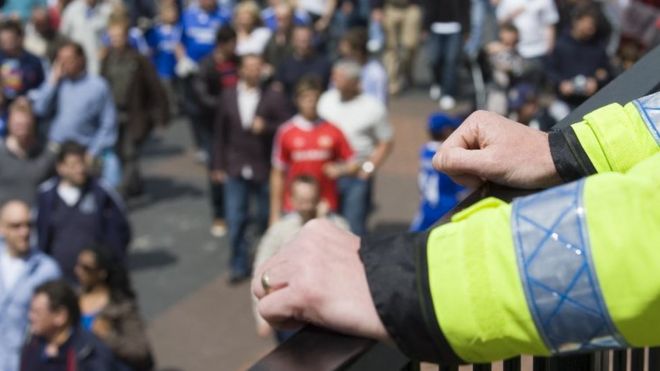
[(513, 364), (654, 359), (540, 364), (619, 360), (637, 359), (482, 367)]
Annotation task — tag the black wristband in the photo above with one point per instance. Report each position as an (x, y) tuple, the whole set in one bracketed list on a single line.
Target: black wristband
[(570, 159)]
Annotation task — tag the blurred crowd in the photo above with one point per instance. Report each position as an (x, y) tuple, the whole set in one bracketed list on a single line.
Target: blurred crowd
[(288, 105)]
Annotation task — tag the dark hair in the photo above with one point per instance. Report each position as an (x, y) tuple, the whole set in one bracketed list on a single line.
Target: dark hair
[(70, 148), (250, 55), (357, 38), (116, 275), (12, 25), (77, 48), (61, 296), (305, 179), (309, 83), (586, 10), (225, 34), (510, 27)]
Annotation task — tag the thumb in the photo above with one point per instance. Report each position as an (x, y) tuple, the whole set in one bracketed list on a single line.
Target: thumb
[(468, 167)]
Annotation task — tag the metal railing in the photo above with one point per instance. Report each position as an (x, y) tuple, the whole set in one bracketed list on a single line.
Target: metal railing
[(317, 349)]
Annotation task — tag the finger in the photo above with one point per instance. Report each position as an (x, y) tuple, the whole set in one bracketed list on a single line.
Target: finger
[(467, 167), (466, 136), (276, 275), (280, 309)]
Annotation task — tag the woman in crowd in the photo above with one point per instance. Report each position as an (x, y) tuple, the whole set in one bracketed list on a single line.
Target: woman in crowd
[(252, 37), (109, 309)]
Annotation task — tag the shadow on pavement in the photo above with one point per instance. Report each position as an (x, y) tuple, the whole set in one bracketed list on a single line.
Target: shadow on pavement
[(139, 260), (159, 189), (155, 148)]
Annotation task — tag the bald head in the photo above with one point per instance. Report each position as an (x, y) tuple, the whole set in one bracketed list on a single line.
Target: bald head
[(15, 226)]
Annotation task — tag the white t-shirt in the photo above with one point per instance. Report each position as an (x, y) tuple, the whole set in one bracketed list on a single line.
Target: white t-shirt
[(11, 269), (69, 194), (316, 7), (532, 24), (363, 120), (255, 43)]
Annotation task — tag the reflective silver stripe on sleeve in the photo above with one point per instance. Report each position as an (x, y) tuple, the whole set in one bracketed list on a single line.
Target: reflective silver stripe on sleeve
[(649, 108), (555, 265)]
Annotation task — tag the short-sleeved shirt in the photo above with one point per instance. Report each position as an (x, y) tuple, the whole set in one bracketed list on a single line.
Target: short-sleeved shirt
[(363, 120), (303, 148), (531, 24), (199, 30)]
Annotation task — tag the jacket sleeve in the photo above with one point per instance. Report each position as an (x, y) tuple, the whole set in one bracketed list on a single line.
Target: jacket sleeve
[(612, 138), (549, 274), (117, 228)]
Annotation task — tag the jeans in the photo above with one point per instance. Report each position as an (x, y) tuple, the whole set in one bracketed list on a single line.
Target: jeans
[(238, 192), (444, 53), (355, 202)]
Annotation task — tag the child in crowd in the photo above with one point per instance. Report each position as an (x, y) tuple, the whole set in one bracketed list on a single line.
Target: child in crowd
[(525, 107), (438, 192), (506, 66)]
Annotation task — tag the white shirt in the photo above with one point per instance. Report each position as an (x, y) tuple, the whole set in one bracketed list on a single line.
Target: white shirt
[(316, 7), (248, 99), (87, 26), (363, 120), (69, 194), (532, 24), (11, 269), (255, 43)]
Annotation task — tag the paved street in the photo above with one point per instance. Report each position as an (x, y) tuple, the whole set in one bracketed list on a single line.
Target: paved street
[(196, 321)]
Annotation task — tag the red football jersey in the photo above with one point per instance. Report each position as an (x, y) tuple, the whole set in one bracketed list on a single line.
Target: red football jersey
[(303, 148)]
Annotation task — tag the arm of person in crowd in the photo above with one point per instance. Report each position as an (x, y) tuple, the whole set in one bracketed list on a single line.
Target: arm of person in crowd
[(126, 336), (277, 181), (384, 134), (551, 36), (274, 111), (485, 286), (106, 134), (326, 18), (201, 90), (117, 231), (219, 160), (159, 104), (378, 156), (44, 97)]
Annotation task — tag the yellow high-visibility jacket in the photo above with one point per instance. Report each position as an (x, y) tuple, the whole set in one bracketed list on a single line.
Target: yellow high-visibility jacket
[(571, 269)]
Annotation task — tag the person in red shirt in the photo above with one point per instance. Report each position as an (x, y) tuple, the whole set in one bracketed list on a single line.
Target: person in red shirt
[(308, 145)]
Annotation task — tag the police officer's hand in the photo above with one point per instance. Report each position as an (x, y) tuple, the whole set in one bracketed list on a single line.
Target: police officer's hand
[(490, 147), (319, 278)]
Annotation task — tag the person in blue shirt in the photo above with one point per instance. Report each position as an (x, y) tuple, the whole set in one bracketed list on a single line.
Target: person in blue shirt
[(79, 107), (200, 23), (269, 16), (22, 268), (438, 193), (163, 39)]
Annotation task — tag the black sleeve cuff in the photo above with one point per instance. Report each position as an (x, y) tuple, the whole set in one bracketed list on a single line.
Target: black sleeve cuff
[(571, 161), (396, 271)]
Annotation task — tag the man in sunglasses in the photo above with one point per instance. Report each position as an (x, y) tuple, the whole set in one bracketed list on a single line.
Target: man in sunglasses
[(22, 269)]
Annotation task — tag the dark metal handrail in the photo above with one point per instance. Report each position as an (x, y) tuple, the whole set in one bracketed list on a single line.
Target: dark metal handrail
[(322, 350)]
